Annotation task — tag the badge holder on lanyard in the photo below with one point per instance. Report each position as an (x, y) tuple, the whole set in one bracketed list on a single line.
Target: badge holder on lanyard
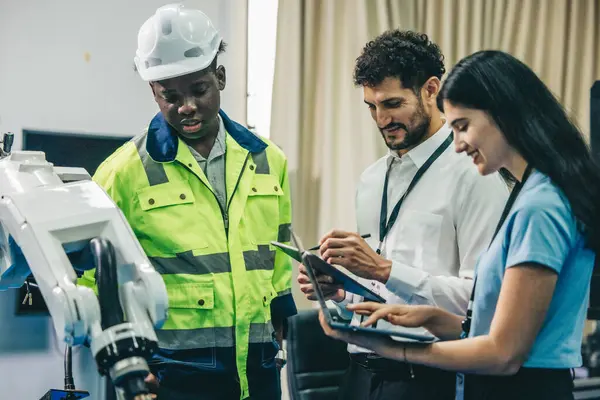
[(384, 227), (466, 323)]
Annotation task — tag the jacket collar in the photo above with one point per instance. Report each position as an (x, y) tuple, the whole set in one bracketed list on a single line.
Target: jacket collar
[(162, 141)]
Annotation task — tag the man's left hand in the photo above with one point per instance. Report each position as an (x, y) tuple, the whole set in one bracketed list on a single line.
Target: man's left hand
[(352, 252)]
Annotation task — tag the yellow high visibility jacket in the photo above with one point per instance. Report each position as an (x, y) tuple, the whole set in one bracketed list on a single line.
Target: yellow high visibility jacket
[(224, 279)]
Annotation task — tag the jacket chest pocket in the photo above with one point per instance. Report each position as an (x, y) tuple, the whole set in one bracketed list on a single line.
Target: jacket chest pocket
[(262, 208), (167, 214)]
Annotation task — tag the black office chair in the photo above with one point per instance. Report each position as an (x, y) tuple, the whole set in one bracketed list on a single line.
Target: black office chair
[(587, 389), (316, 363)]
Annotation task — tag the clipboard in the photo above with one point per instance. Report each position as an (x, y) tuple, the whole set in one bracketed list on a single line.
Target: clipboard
[(348, 282)]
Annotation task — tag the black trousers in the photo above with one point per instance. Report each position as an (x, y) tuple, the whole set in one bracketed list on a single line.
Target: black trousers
[(209, 388), (356, 383), (222, 387), (361, 384), (527, 384), (219, 380)]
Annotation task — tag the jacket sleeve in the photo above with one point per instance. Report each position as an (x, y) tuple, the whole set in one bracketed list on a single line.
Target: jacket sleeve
[(283, 305)]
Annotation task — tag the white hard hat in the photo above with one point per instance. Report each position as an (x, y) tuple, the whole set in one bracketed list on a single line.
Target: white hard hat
[(175, 41)]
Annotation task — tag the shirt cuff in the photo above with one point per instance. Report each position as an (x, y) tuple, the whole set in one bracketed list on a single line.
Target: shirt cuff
[(405, 281), (341, 306), (283, 307)]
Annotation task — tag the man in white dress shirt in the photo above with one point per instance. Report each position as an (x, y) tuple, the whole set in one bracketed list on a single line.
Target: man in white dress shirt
[(423, 245)]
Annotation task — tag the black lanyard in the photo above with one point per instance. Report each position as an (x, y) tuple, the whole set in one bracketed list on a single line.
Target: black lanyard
[(466, 323), (384, 227)]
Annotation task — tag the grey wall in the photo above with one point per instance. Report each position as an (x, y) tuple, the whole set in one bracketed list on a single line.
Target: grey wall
[(67, 65)]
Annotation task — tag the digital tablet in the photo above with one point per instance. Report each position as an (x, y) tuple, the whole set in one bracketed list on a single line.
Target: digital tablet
[(339, 275)]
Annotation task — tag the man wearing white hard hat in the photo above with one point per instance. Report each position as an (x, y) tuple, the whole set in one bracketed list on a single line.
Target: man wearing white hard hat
[(205, 197)]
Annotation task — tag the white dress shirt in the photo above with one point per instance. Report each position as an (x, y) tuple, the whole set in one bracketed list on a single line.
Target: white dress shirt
[(443, 225)]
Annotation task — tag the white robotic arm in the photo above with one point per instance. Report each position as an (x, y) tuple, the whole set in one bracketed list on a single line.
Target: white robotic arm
[(47, 219)]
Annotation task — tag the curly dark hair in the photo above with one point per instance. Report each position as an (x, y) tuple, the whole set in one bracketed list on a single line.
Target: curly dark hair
[(406, 55)]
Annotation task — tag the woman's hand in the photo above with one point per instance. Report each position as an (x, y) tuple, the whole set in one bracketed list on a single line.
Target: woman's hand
[(440, 323), (397, 314), (373, 342)]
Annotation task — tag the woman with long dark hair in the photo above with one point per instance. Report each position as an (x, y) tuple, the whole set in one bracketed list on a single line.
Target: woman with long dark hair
[(524, 327)]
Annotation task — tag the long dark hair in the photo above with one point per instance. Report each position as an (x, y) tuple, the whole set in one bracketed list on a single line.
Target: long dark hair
[(535, 124)]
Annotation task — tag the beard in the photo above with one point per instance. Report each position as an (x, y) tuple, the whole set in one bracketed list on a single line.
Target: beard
[(415, 131)]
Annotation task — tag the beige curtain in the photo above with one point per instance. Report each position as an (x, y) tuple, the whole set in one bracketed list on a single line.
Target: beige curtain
[(558, 39), (318, 116)]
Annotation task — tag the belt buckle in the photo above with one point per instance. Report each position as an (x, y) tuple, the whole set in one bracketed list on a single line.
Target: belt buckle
[(370, 358), (362, 359)]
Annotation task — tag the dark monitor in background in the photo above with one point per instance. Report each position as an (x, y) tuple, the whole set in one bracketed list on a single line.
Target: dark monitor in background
[(63, 150), (594, 310), (73, 150)]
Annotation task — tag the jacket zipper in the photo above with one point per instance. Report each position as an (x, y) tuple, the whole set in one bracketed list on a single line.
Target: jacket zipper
[(225, 212)]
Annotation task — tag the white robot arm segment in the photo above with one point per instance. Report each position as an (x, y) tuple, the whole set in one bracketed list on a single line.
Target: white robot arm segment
[(47, 218)]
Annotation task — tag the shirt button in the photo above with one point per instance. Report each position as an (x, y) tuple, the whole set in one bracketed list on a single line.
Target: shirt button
[(264, 298), (190, 165), (201, 302), (276, 188), (254, 189), (182, 196), (151, 201), (252, 168)]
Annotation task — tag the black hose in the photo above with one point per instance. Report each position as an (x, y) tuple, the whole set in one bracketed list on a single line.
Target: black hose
[(7, 142), (103, 254), (69, 383)]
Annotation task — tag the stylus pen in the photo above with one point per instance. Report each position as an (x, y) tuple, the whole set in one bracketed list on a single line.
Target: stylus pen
[(368, 235)]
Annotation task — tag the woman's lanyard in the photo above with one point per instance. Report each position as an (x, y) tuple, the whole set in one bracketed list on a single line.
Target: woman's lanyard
[(384, 227), (466, 323)]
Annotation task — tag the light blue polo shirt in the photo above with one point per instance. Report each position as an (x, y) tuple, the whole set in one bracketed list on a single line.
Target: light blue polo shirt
[(540, 229)]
